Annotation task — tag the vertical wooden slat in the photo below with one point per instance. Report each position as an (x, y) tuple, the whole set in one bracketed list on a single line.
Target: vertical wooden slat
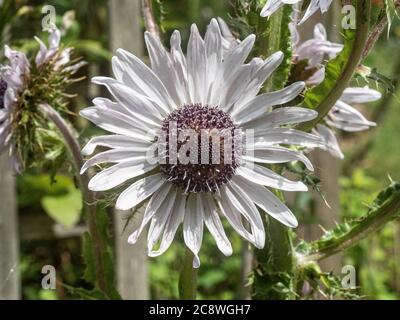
[(9, 241), (327, 168), (132, 267)]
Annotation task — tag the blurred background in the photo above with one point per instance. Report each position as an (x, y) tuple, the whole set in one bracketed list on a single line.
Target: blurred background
[(40, 214)]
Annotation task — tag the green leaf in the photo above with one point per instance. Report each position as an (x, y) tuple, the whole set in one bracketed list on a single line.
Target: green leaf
[(316, 95), (65, 209), (32, 188)]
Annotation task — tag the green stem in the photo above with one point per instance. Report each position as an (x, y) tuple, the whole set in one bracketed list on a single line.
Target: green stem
[(188, 278), (274, 270), (274, 264), (363, 16), (372, 223), (89, 199)]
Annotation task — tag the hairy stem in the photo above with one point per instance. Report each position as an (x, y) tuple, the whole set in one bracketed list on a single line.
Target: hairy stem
[(188, 278), (370, 224), (148, 16), (377, 31), (89, 200), (363, 16), (275, 264)]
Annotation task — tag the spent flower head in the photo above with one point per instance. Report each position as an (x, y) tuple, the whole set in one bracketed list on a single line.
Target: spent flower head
[(25, 84)]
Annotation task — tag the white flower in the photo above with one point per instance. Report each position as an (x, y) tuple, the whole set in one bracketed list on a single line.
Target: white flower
[(342, 116), (314, 51), (347, 118), (273, 5), (200, 90)]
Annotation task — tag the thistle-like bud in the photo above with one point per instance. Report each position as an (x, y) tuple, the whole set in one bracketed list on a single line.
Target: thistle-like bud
[(24, 84)]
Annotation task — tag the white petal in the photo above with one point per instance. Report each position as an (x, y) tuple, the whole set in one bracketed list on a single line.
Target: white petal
[(266, 177), (180, 68), (139, 191), (116, 123), (214, 225), (233, 216), (174, 220), (317, 78), (229, 42), (118, 174), (163, 66), (275, 154), (260, 76), (193, 226), (360, 95), (331, 143), (114, 120), (247, 208), (197, 67), (259, 105), (160, 219), (312, 8), (213, 45), (142, 79), (270, 7), (288, 136), (143, 118), (347, 118), (138, 104), (349, 126), (233, 90), (115, 156), (3, 114), (41, 55), (114, 141), (281, 116), (152, 208), (231, 68), (320, 32), (267, 201), (324, 5)]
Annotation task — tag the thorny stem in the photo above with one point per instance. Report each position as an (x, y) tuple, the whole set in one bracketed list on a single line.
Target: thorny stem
[(99, 246), (369, 225), (188, 278), (363, 16), (376, 32), (148, 16)]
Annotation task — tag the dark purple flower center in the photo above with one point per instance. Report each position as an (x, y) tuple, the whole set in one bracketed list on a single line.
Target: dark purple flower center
[(3, 88), (216, 150)]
